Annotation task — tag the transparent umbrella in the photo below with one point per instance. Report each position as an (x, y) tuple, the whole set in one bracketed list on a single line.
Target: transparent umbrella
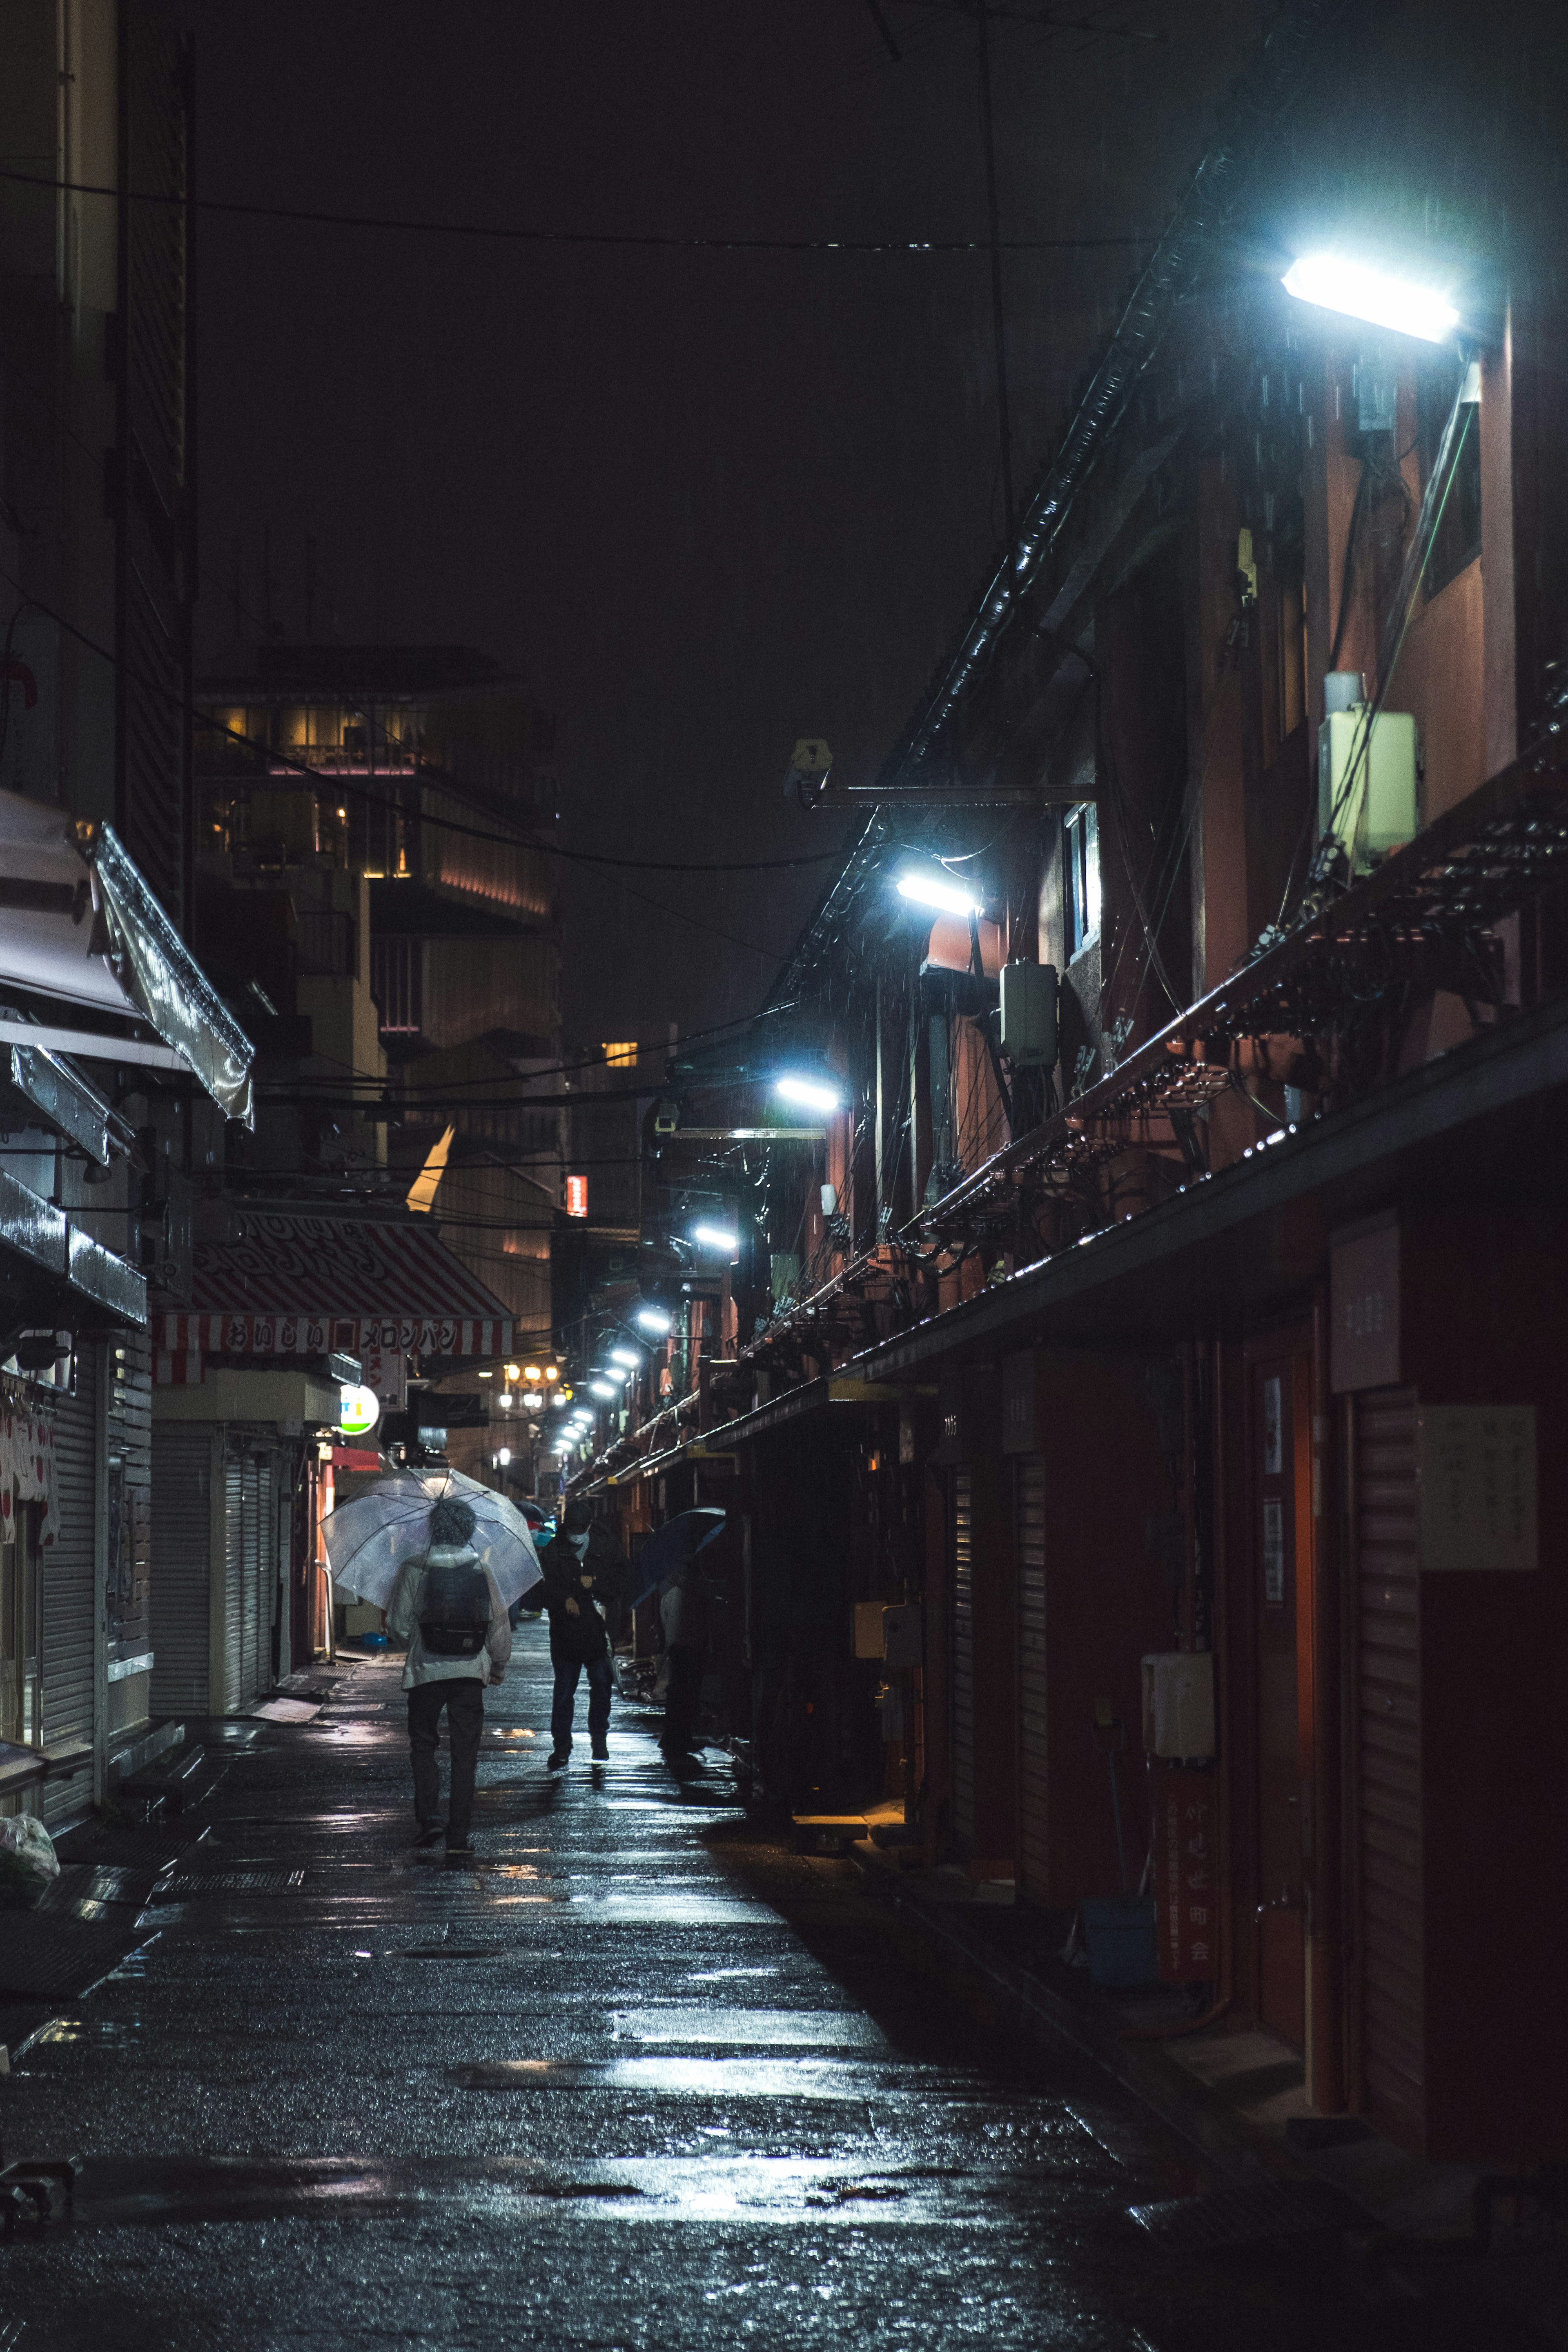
[(370, 1538)]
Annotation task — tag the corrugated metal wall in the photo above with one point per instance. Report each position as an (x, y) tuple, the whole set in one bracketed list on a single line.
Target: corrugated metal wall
[(1029, 1508), (181, 1534), (1388, 1762), (961, 1653), (69, 1584)]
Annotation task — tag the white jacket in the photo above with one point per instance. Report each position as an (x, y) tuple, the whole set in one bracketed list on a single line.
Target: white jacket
[(489, 1665)]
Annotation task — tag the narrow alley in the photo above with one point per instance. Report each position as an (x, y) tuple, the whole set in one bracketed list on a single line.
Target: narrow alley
[(639, 2075)]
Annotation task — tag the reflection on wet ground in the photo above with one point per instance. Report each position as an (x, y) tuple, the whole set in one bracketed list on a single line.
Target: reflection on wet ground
[(638, 2076)]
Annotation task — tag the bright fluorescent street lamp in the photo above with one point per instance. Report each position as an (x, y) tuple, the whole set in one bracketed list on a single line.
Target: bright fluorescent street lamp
[(627, 1356), (716, 1237), (654, 1319), (1334, 283), (927, 889), (602, 1388), (810, 1094)]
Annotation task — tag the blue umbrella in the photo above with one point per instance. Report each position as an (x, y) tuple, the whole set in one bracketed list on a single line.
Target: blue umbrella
[(669, 1548)]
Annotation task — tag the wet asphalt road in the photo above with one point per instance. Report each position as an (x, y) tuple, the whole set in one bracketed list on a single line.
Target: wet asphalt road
[(640, 2078)]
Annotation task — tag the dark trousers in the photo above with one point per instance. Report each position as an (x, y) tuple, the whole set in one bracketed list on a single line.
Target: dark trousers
[(564, 1704), (463, 1697), (683, 1698)]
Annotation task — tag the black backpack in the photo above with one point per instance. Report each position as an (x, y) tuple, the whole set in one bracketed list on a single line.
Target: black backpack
[(454, 1611)]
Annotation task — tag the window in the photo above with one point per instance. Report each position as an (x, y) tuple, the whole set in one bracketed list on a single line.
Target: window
[(1458, 539), (1080, 876)]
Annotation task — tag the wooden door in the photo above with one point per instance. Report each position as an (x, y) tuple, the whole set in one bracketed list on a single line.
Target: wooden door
[(1280, 1396)]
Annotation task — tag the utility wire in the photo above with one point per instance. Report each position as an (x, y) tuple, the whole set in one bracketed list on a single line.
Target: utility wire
[(651, 240)]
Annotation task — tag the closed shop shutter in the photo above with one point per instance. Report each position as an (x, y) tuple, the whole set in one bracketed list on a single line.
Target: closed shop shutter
[(69, 1587), (181, 1593), (226, 1699), (961, 1651), (1388, 1762), (1029, 1501), (250, 1570)]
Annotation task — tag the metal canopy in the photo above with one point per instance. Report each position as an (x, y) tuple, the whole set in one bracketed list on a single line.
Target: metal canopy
[(81, 930)]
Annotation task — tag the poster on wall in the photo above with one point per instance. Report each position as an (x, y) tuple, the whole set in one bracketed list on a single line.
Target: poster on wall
[(1477, 1473)]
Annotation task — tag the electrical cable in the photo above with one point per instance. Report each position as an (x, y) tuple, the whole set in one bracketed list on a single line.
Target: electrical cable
[(505, 232)]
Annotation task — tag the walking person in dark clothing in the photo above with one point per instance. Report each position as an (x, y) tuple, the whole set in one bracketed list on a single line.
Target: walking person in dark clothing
[(585, 1577), (683, 1617), (448, 1612)]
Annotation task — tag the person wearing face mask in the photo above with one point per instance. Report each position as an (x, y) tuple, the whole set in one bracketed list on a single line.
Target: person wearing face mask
[(585, 1577)]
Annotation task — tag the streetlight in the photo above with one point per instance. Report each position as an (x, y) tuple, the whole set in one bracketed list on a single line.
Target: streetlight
[(1334, 283), (716, 1237), (514, 1371), (627, 1356), (602, 1388), (924, 887), (654, 1319), (504, 1455), (809, 1093)]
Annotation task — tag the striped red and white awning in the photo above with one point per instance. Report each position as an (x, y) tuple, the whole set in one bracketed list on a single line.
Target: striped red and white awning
[(304, 1282)]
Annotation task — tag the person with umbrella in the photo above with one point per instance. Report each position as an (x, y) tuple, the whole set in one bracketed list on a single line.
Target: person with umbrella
[(586, 1573), (445, 1576), (668, 1565)]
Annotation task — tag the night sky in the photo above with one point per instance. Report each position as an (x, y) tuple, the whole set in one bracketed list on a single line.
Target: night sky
[(703, 503)]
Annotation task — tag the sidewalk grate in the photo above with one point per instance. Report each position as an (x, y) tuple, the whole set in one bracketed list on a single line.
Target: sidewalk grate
[(1249, 2216), (228, 1882)]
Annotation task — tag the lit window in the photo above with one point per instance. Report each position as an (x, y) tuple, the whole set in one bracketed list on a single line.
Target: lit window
[(621, 1058)]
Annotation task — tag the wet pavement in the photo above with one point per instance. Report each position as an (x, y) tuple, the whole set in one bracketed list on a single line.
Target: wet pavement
[(640, 2076)]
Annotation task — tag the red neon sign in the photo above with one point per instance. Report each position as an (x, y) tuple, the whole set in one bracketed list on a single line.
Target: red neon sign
[(576, 1196)]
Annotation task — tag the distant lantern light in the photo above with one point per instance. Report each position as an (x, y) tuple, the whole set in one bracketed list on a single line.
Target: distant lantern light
[(716, 1237), (533, 1399), (504, 1456), (504, 1400), (533, 1375), (654, 1319), (811, 1093), (553, 1371), (924, 888), (1334, 283), (514, 1371)]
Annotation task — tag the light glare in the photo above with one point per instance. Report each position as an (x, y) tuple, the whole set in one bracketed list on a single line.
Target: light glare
[(939, 890), (654, 1319), (716, 1237), (1334, 283), (809, 1093), (627, 1356)]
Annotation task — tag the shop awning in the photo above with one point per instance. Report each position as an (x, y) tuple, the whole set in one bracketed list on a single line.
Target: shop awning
[(83, 935), (309, 1281)]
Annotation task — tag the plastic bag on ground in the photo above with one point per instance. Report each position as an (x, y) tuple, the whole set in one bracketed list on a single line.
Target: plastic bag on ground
[(28, 1864)]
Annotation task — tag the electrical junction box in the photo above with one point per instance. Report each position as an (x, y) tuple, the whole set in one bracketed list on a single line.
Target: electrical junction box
[(1029, 1014), (868, 1629), (903, 1634), (1382, 782), (1178, 1704)]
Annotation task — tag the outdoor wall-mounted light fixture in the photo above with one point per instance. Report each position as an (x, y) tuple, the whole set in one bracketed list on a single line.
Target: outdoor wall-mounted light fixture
[(928, 886), (811, 1093), (1334, 283), (716, 1237)]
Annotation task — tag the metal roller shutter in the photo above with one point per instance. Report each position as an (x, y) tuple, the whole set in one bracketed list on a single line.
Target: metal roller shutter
[(962, 1652), (181, 1581), (227, 1697), (1029, 1502), (1388, 1762), (69, 1581)]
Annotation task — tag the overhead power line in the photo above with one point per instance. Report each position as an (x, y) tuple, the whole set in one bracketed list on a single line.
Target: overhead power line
[(514, 234)]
